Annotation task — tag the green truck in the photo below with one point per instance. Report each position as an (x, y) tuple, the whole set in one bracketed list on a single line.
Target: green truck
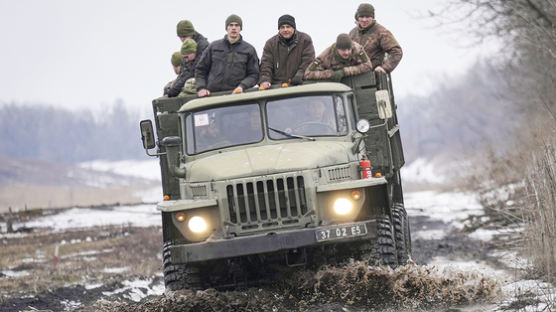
[(278, 178)]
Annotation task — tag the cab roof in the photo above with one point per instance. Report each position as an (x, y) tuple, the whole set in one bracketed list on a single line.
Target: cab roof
[(320, 87)]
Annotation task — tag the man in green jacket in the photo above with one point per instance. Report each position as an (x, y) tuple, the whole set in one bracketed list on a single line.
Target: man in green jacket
[(286, 55), (379, 43), (343, 58)]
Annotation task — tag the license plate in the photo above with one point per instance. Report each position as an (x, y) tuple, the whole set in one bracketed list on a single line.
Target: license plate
[(341, 231)]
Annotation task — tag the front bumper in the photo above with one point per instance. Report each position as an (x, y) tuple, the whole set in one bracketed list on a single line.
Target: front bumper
[(261, 243)]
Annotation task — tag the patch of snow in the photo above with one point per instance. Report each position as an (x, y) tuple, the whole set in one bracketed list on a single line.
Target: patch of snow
[(87, 253), (483, 234), (147, 169), (478, 267), (428, 234), (140, 216), (16, 274), (93, 286), (70, 305), (138, 289), (451, 207), (115, 270), (545, 293)]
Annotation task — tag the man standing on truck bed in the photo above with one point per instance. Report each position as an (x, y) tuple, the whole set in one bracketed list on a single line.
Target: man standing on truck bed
[(377, 40), (228, 63), (343, 58), (185, 30), (286, 55), (187, 71)]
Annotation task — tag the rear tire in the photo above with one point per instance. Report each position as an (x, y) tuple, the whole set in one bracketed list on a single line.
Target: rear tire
[(401, 233), (179, 276)]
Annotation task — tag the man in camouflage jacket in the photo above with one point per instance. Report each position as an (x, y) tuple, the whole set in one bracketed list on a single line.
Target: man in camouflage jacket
[(286, 55), (377, 40), (343, 58), (228, 63)]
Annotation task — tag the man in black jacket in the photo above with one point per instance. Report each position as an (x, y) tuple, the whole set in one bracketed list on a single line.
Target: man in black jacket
[(228, 63)]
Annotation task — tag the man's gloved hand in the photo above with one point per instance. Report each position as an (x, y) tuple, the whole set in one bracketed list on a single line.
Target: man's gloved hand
[(337, 75), (297, 80)]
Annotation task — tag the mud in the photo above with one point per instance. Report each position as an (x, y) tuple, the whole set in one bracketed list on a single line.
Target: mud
[(356, 287)]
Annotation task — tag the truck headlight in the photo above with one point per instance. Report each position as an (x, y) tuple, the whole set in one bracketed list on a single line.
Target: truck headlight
[(343, 206), (197, 224)]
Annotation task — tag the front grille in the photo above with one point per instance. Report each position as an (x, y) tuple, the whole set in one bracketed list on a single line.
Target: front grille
[(267, 203)]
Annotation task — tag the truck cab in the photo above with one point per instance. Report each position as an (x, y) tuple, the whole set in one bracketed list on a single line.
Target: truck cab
[(278, 176)]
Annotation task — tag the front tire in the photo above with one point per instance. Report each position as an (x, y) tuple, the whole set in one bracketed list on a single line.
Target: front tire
[(179, 276)]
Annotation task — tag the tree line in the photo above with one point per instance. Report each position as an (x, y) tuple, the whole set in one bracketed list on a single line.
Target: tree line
[(61, 135)]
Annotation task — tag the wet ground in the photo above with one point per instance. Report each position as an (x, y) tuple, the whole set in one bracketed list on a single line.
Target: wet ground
[(118, 268)]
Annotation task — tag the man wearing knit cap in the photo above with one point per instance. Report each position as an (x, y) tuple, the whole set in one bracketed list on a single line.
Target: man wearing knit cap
[(229, 63), (379, 43), (188, 55), (343, 58), (185, 30), (286, 55), (176, 65)]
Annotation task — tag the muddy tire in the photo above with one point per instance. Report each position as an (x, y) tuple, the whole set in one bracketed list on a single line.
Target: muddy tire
[(179, 276), (382, 250), (401, 233)]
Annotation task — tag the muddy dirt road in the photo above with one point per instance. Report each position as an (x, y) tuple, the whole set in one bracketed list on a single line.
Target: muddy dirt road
[(115, 265)]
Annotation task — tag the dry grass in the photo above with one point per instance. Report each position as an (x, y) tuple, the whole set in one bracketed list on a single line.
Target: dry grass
[(540, 212), (86, 257)]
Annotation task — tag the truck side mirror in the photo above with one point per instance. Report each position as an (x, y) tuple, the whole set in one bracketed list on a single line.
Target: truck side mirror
[(147, 134), (383, 104)]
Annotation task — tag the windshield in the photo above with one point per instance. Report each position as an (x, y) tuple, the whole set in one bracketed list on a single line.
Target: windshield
[(222, 127), (320, 115)]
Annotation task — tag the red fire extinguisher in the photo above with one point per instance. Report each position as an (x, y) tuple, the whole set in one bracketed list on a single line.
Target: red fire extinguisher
[(365, 167)]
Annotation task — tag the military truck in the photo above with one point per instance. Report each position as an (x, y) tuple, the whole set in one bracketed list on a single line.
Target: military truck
[(278, 178)]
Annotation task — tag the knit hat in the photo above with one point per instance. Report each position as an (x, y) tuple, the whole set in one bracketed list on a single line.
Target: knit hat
[(365, 9), (233, 18), (286, 19), (343, 42), (176, 59), (188, 46), (185, 29)]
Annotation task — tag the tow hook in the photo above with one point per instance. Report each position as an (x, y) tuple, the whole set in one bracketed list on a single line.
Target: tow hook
[(296, 257)]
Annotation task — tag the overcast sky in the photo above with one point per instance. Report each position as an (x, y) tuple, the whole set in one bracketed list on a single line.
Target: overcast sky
[(89, 53)]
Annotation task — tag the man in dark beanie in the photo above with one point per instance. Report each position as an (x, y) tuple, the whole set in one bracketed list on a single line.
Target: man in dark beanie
[(286, 55), (379, 43), (187, 71), (185, 30), (343, 58), (228, 63)]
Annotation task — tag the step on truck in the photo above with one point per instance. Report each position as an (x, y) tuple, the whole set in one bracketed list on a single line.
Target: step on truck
[(290, 176)]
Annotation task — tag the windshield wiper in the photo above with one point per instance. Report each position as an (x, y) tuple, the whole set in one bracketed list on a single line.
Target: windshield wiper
[(292, 135)]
